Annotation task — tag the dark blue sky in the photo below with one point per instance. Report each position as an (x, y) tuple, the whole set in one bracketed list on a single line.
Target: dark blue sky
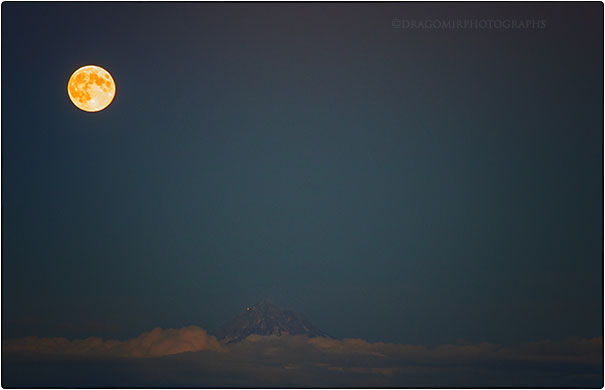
[(411, 186)]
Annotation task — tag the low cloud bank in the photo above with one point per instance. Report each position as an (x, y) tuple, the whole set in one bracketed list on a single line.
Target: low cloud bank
[(156, 359), (571, 350), (157, 342)]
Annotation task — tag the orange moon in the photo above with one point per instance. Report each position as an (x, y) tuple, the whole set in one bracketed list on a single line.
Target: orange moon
[(91, 88)]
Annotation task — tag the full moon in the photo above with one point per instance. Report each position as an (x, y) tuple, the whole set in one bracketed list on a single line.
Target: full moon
[(91, 88)]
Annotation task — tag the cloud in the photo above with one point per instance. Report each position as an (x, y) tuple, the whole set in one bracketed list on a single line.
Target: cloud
[(157, 342), (571, 350), (574, 362), (155, 359)]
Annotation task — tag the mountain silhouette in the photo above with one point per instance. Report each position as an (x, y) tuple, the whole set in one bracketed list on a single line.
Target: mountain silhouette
[(265, 319)]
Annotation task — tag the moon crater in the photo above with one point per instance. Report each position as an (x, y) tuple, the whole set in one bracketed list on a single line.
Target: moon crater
[(91, 88)]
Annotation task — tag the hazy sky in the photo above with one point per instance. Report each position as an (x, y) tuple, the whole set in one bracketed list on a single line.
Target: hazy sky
[(410, 186)]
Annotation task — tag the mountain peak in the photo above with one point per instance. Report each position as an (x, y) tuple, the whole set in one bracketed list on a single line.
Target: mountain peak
[(264, 318)]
